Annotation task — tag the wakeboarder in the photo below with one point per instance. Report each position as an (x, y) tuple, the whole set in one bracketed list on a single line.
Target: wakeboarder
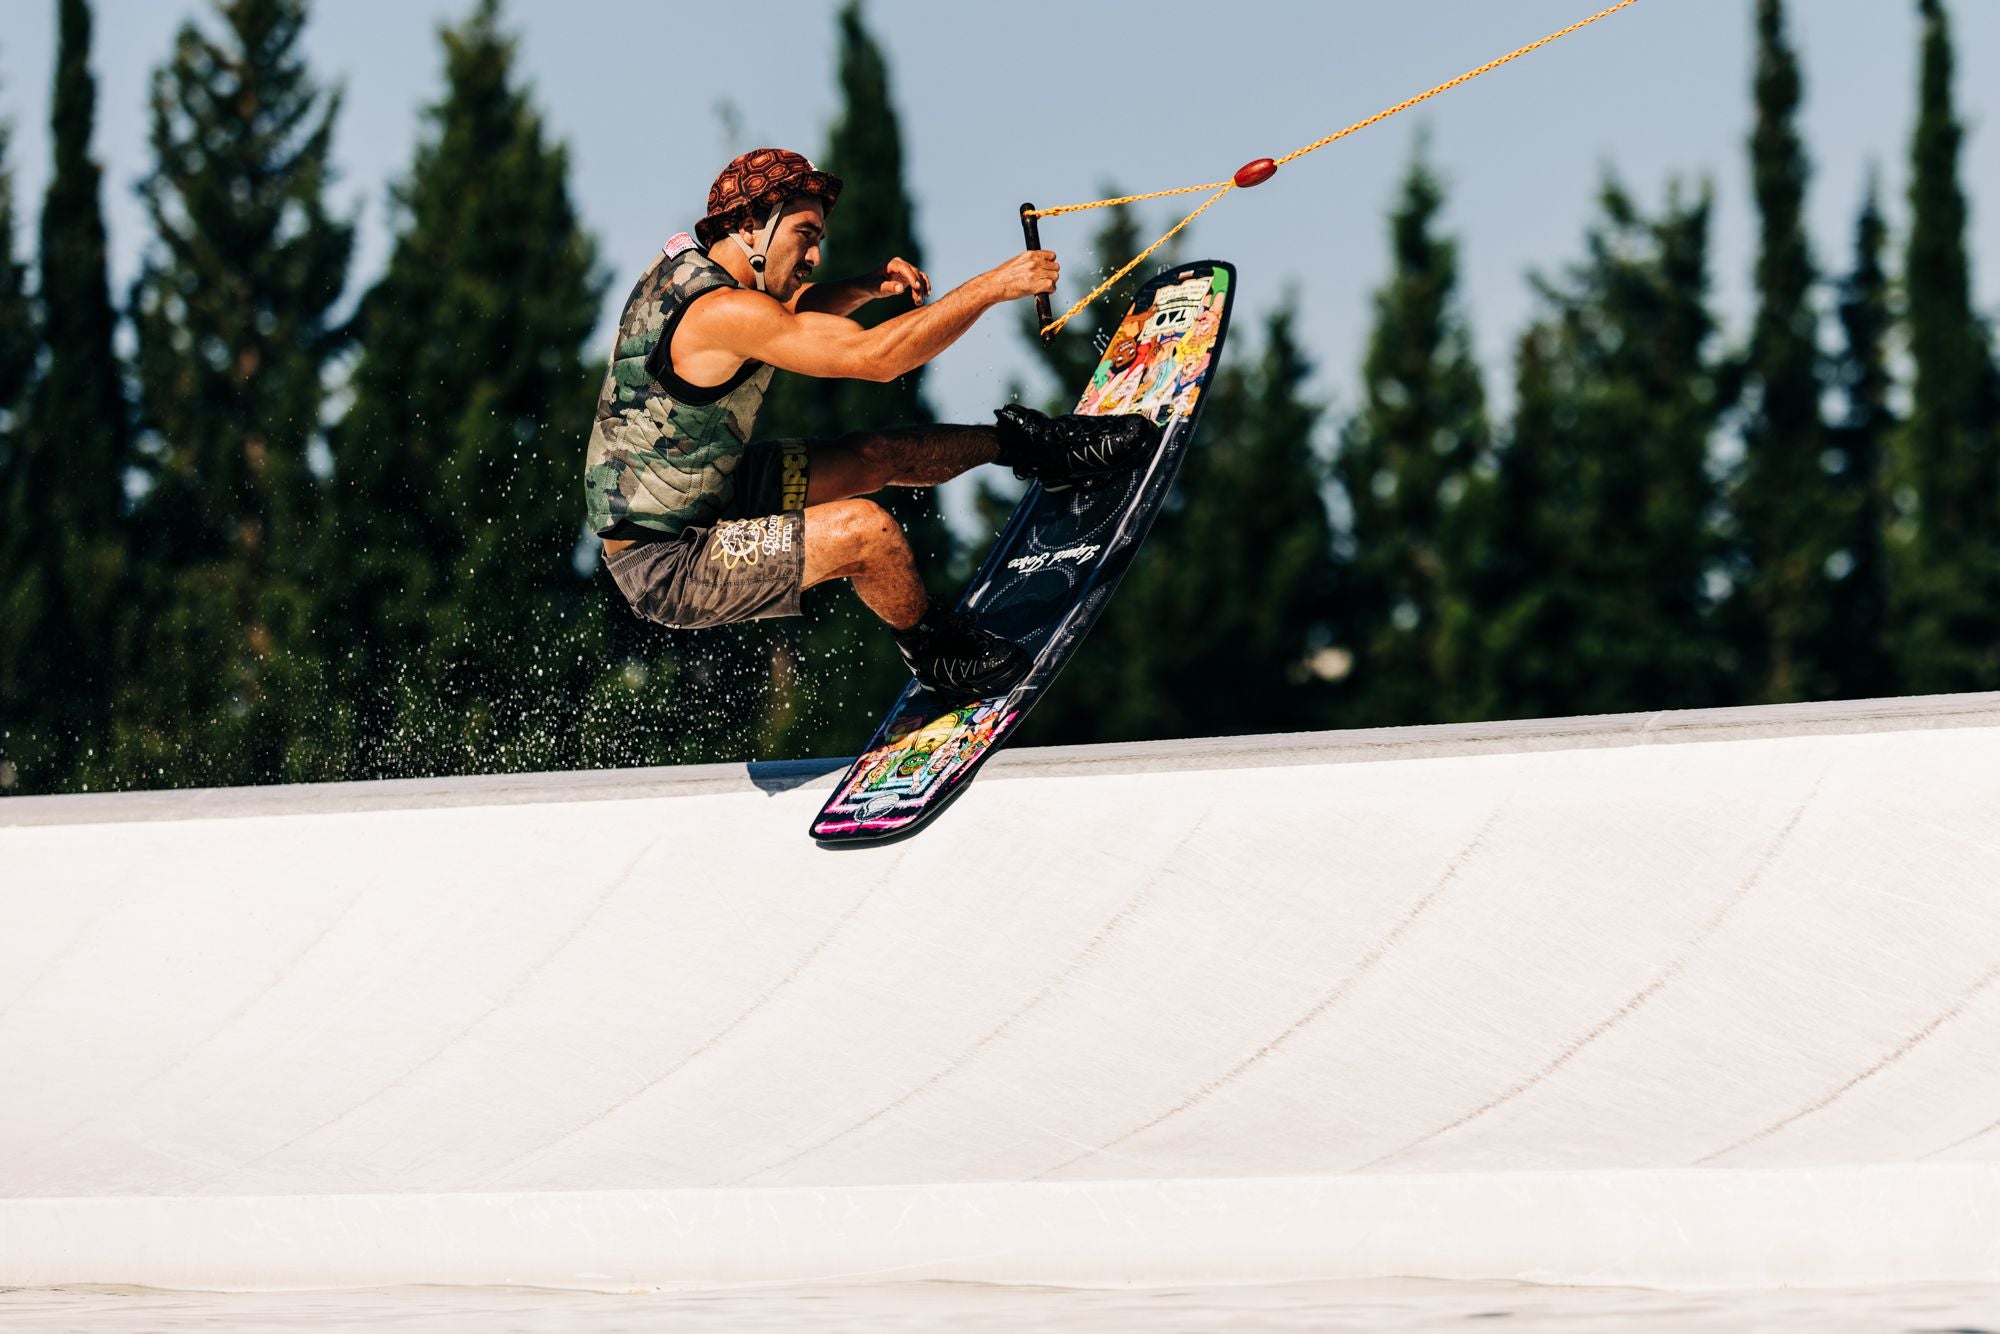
[(703, 525)]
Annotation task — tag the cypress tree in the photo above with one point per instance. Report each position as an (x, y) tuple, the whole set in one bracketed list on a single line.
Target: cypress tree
[(1856, 649), (66, 560), (1405, 462), (17, 317), (79, 400), (22, 526), (18, 330), (460, 600), (1525, 586), (1784, 502), (231, 308), (1949, 588), (1604, 488)]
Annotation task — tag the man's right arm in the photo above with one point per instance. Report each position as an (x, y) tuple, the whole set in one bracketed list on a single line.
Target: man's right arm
[(752, 327)]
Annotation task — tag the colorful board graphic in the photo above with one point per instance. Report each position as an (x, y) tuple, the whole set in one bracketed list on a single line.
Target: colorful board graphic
[(1047, 578)]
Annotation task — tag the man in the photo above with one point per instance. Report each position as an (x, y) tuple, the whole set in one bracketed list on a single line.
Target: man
[(702, 525)]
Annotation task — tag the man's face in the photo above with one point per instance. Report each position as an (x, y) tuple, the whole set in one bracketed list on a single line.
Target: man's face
[(794, 251)]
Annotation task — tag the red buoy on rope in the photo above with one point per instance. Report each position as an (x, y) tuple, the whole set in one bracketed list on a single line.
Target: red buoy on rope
[(1256, 173)]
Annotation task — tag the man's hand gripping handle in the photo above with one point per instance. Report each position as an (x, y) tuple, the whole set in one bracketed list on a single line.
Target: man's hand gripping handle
[(1032, 233)]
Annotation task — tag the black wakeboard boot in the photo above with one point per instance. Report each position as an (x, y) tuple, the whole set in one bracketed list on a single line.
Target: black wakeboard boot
[(952, 656), (1072, 451)]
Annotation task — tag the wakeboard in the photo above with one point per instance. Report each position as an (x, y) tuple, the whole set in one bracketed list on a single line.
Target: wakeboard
[(1053, 567)]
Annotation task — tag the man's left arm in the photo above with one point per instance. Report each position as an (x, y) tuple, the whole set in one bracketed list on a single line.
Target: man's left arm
[(898, 277)]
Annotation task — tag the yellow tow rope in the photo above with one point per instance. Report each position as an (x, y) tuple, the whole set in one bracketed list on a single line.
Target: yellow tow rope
[(1256, 173)]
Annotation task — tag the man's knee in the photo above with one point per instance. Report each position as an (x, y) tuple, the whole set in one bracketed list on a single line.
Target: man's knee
[(846, 536), (867, 524)]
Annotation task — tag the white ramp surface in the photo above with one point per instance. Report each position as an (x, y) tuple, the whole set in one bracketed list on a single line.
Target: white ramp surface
[(1704, 999)]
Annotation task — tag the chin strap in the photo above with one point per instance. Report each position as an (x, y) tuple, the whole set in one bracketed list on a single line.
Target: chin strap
[(763, 244)]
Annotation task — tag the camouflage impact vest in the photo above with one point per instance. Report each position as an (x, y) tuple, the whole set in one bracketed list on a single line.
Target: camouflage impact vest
[(662, 451)]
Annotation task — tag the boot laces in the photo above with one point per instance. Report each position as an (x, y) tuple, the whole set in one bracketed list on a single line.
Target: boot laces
[(960, 654)]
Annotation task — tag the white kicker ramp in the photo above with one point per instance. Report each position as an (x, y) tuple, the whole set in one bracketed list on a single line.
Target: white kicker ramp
[(1702, 999)]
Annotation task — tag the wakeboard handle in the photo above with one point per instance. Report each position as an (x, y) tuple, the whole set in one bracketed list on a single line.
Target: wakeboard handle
[(1031, 232)]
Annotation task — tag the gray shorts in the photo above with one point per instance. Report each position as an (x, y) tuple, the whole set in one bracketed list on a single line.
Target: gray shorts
[(748, 565)]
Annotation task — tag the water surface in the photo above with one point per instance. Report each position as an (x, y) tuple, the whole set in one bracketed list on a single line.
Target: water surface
[(1372, 1306)]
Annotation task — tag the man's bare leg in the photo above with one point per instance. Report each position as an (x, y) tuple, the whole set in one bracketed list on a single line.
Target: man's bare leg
[(1059, 452), (859, 541), (866, 461)]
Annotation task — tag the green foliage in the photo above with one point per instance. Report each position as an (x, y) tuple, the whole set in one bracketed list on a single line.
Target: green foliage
[(1856, 654), (1406, 461), (1948, 584), (231, 308), (62, 551), (462, 619), (1593, 599), (242, 594), (20, 529), (1784, 502), (17, 317), (78, 399)]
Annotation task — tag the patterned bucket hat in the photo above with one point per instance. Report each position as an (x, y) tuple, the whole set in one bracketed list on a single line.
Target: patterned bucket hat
[(758, 181)]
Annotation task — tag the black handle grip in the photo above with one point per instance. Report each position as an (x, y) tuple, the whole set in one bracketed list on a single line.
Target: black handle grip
[(1032, 233)]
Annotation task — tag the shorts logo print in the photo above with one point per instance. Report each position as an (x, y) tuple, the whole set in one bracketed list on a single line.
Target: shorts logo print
[(745, 542), (792, 494)]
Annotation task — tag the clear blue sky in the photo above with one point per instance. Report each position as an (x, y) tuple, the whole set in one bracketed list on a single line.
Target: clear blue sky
[(1001, 103)]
